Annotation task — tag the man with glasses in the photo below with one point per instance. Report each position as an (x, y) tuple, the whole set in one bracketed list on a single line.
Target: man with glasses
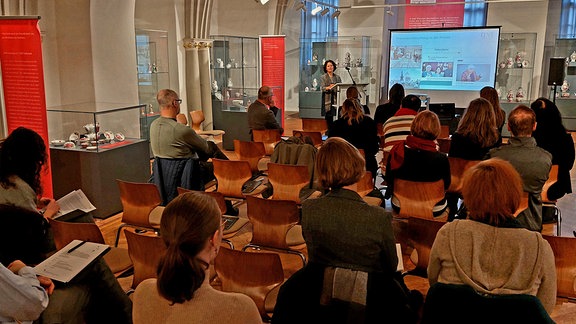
[(259, 114)]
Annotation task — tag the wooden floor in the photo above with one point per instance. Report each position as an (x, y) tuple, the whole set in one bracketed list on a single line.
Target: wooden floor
[(564, 313)]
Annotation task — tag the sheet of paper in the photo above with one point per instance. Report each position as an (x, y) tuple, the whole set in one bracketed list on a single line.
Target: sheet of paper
[(64, 265), (400, 259), (72, 201)]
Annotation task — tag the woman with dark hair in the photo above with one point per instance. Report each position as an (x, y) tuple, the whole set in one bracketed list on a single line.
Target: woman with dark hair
[(490, 94), (551, 135), (22, 159), (327, 83), (417, 159), (387, 110), (359, 130), (191, 228), (490, 251)]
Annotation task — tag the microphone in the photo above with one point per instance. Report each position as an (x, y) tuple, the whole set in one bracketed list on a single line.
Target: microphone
[(347, 68)]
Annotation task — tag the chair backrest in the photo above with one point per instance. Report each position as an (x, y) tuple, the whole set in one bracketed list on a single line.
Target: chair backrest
[(252, 152), (267, 136), (444, 144), (287, 180), (214, 194), (422, 233), (552, 178), (316, 137), (138, 200), (468, 306), (197, 118), (417, 199), (145, 252), (231, 175), (457, 168), (253, 274), (314, 125), (364, 186), (271, 220), (564, 254), (66, 232)]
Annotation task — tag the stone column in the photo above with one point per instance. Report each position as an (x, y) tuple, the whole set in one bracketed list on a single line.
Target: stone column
[(205, 84), (192, 76)]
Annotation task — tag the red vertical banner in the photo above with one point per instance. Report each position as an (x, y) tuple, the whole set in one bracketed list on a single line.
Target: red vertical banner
[(273, 67), (23, 81), (433, 14)]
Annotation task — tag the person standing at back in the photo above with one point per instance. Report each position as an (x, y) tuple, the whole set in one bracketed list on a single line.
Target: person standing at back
[(259, 114), (387, 110)]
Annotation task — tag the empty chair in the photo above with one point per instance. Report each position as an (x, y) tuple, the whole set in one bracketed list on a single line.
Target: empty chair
[(546, 202), (252, 152), (197, 118), (314, 125), (270, 137), (316, 137), (145, 252), (65, 232), (254, 274), (565, 258), (231, 176), (287, 180), (421, 235), (275, 226), (417, 199), (140, 206)]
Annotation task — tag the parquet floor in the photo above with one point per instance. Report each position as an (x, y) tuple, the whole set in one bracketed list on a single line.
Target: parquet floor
[(564, 313)]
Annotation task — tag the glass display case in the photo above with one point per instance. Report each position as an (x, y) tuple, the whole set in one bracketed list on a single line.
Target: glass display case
[(566, 92), (95, 127), (152, 61), (515, 67), (352, 58)]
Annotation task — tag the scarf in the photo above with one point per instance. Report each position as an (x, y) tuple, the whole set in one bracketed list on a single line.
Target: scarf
[(397, 151)]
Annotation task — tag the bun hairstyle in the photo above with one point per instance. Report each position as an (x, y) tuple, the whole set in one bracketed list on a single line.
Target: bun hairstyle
[(188, 222)]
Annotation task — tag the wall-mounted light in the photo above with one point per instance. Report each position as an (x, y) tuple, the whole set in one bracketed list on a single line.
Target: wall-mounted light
[(336, 14), (300, 6), (389, 11), (316, 10), (263, 2), (325, 11)]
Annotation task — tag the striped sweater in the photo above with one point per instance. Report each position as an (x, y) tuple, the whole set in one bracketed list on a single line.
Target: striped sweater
[(396, 129)]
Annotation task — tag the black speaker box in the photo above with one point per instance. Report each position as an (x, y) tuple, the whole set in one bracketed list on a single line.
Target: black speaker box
[(556, 71)]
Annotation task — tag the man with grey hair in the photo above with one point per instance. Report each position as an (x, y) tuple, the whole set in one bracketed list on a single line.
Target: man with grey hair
[(259, 114)]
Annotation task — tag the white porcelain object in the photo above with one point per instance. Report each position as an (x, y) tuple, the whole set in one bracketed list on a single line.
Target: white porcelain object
[(57, 142)]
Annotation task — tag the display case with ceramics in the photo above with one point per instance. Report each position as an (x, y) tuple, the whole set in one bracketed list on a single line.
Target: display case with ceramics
[(96, 126), (515, 67), (565, 92)]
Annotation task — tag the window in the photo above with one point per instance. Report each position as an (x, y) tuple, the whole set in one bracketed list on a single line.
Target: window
[(567, 19), (317, 27), (474, 14)]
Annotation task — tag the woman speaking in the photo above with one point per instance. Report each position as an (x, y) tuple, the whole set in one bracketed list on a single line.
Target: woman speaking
[(328, 80)]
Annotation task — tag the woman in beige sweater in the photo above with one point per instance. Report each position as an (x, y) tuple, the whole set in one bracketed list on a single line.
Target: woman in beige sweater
[(191, 228), (490, 251)]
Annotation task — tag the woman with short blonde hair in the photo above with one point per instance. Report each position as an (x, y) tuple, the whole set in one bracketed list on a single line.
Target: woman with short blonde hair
[(490, 251), (426, 125)]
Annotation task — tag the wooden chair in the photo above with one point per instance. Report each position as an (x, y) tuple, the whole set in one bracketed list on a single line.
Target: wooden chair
[(457, 168), (141, 206), (421, 235), (197, 118), (565, 257), (287, 180), (252, 152), (145, 252), (314, 125), (275, 226), (417, 199), (364, 187), (270, 137), (65, 232), (231, 175), (444, 144), (546, 202), (257, 275), (316, 137), (234, 229), (523, 203)]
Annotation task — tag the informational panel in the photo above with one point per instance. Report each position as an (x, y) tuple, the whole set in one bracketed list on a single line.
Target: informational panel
[(433, 14), (273, 67), (23, 81)]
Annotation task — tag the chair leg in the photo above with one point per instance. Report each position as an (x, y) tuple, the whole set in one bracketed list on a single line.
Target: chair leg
[(258, 247), (118, 234), (558, 221), (227, 241)]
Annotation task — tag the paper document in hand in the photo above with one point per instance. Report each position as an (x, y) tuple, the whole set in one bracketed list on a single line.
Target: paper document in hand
[(73, 201), (65, 264), (400, 259)]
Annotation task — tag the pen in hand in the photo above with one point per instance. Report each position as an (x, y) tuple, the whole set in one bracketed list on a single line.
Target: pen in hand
[(75, 247)]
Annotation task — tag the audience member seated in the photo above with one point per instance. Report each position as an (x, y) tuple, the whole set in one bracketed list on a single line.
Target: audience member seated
[(359, 130), (22, 157), (23, 296), (353, 93), (397, 127), (260, 115), (389, 109), (351, 245), (417, 159), (192, 231), (475, 136), (551, 135), (490, 251), (490, 94), (532, 162)]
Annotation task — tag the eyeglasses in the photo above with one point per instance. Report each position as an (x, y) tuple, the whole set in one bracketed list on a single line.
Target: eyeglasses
[(178, 101)]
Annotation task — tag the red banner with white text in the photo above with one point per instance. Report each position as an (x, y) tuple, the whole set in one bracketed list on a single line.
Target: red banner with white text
[(273, 67), (23, 81), (433, 14)]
